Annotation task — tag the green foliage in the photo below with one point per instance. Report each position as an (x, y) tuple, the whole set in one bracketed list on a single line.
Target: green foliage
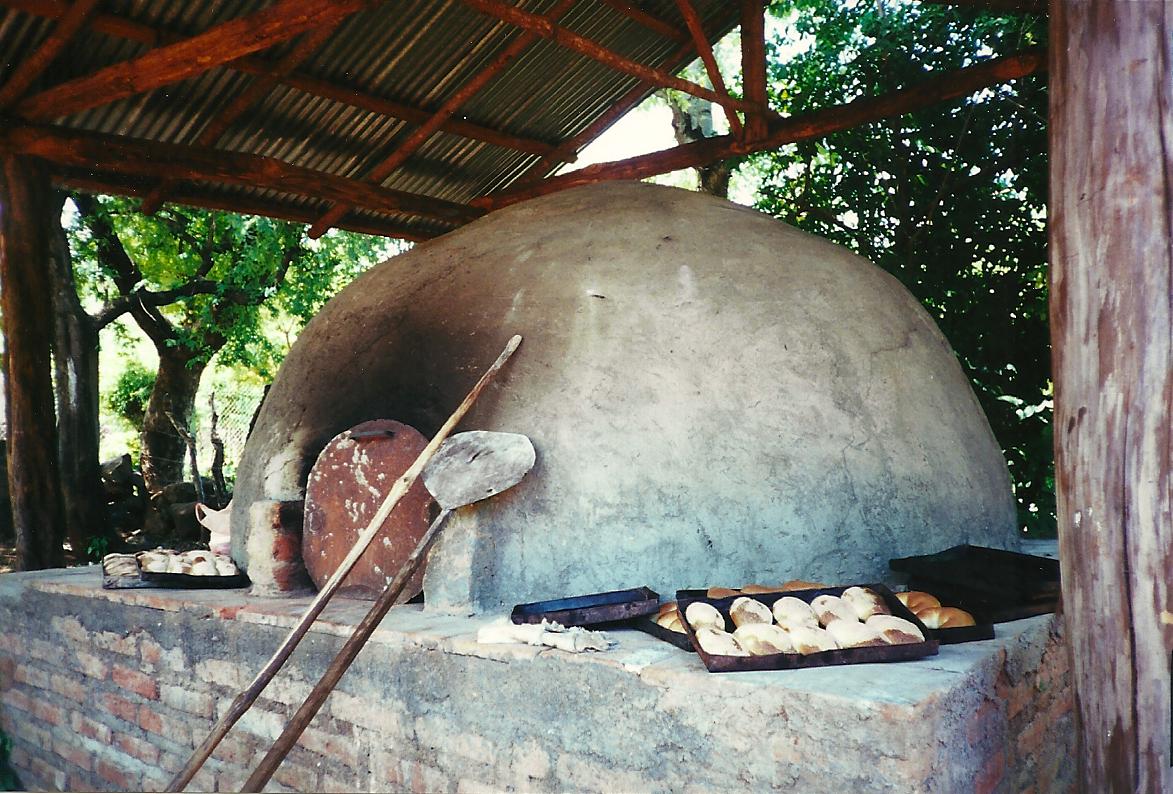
[(950, 200), (131, 392), (97, 548), (8, 779)]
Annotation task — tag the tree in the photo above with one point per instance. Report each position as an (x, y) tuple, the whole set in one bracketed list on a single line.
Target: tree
[(200, 284), (951, 200)]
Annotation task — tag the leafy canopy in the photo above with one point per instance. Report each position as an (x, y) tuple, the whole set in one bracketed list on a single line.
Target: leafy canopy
[(951, 200)]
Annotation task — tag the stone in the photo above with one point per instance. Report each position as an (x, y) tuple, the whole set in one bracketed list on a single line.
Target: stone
[(715, 398)]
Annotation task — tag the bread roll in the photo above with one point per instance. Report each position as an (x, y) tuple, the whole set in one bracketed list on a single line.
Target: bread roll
[(666, 607), (896, 631), (700, 614), (853, 634), (915, 600), (225, 566), (807, 640), (672, 623), (791, 613), (721, 592), (801, 584), (865, 602), (829, 608), (718, 643), (202, 567), (154, 561), (758, 589), (945, 618), (763, 639), (746, 610)]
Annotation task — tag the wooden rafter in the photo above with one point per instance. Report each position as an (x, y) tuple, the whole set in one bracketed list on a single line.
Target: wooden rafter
[(753, 66), (950, 85), (649, 21), (581, 44), (445, 112), (189, 57), (154, 160), (705, 51), (28, 70), (120, 27), (194, 196), (256, 91)]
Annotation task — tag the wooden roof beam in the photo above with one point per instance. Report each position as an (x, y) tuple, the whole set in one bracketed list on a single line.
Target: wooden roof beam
[(705, 51), (28, 70), (946, 86), (256, 91), (119, 27), (189, 57), (649, 21), (195, 196), (592, 49), (417, 138), (154, 160)]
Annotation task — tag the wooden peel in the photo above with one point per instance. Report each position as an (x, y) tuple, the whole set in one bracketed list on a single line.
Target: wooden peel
[(246, 698), (471, 466)]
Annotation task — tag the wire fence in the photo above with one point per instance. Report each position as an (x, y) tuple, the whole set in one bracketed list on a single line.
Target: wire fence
[(234, 414)]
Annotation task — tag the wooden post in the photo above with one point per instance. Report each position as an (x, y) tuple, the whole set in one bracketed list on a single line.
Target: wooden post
[(26, 300), (753, 66), (1112, 331)]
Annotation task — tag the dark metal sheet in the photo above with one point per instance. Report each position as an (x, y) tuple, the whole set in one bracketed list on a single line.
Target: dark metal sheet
[(796, 661), (590, 610), (649, 626)]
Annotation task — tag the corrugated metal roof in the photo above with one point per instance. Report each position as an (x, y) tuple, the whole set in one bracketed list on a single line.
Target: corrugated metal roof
[(413, 52)]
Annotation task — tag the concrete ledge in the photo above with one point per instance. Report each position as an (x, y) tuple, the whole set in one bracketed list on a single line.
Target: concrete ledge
[(111, 689)]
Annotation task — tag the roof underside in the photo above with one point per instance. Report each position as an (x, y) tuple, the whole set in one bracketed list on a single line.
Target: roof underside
[(340, 109)]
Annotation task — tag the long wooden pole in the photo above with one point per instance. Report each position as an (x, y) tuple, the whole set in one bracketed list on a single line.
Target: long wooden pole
[(350, 649), (1111, 227), (246, 698)]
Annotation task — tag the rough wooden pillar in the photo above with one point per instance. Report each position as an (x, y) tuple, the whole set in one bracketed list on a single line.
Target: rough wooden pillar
[(753, 65), (1111, 324), (26, 300)]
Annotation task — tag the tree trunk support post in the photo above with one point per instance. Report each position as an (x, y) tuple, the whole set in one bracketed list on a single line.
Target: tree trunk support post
[(26, 301), (753, 67), (1112, 332)]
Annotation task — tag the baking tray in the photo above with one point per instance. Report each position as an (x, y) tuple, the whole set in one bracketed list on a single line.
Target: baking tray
[(175, 581), (589, 610), (1001, 585), (795, 661), (650, 626)]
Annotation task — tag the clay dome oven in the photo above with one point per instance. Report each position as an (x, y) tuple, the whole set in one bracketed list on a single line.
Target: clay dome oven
[(715, 398)]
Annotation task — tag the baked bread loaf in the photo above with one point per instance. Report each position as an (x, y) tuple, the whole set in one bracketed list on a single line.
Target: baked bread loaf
[(700, 615), (758, 589), (669, 617), (916, 600), (745, 610), (853, 634), (120, 565), (807, 640), (225, 566), (828, 608), (865, 602), (802, 584), (721, 592), (763, 639), (896, 631), (718, 643), (791, 613), (945, 618)]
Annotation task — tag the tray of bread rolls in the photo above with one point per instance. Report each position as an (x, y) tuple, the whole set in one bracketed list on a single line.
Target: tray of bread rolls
[(947, 624), (857, 624), (194, 569)]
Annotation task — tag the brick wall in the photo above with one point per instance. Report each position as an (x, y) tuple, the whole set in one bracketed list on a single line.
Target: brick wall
[(112, 690)]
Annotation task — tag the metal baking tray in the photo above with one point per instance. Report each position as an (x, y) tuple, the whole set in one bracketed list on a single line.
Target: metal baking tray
[(648, 625), (1001, 585), (796, 661), (175, 581), (590, 610)]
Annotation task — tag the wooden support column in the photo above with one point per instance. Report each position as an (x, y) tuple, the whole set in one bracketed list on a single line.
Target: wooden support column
[(26, 300), (1112, 330), (753, 66)]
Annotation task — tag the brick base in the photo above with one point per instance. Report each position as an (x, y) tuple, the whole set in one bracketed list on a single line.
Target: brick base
[(426, 709)]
